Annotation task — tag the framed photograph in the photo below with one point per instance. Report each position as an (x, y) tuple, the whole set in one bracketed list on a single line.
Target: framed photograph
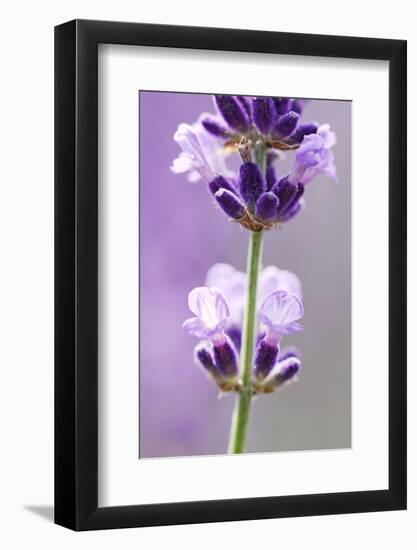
[(230, 275)]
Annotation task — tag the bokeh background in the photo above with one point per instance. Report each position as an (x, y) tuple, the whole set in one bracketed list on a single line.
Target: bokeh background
[(181, 235)]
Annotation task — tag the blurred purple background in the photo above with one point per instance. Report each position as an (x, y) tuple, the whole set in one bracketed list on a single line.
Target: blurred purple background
[(181, 235)]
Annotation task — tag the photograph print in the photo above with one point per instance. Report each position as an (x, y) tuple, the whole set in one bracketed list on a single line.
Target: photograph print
[(244, 275)]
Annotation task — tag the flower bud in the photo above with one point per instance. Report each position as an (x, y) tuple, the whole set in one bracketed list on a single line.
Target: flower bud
[(230, 204), (235, 335), (286, 124), (265, 359), (232, 112), (251, 183), (214, 128), (218, 183), (297, 106), (223, 370), (303, 130), (292, 202), (285, 191), (266, 206), (289, 351), (282, 373), (264, 114), (225, 359), (289, 369), (245, 104), (282, 105), (271, 177), (204, 358)]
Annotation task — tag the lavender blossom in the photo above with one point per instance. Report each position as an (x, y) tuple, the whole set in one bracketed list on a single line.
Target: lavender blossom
[(303, 130), (218, 323), (251, 183), (282, 105), (245, 104), (252, 123), (314, 157), (204, 358), (279, 313), (286, 124), (264, 114), (283, 372), (232, 285), (266, 206), (270, 176), (220, 183), (200, 157), (265, 358), (214, 127), (271, 279), (220, 363), (289, 351), (230, 204), (211, 313), (297, 106), (233, 113), (225, 358), (286, 192)]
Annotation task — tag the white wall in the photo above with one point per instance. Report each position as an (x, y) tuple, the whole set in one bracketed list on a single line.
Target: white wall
[(26, 291)]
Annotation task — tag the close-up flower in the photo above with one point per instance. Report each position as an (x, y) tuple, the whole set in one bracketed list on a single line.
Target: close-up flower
[(257, 158), (255, 130), (219, 309)]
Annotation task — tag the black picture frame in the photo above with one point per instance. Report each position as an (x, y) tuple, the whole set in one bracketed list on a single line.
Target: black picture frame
[(76, 272)]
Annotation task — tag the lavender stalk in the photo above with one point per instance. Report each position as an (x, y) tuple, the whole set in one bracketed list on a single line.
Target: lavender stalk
[(241, 415)]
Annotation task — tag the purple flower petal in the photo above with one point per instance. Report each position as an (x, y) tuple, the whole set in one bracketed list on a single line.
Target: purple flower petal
[(280, 311), (272, 279), (232, 284), (211, 313)]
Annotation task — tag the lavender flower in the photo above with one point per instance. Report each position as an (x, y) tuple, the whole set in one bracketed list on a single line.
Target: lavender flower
[(266, 206), (286, 124), (314, 157), (279, 312), (220, 363), (220, 183), (283, 372), (232, 285), (264, 114), (233, 112), (211, 314), (246, 105), (201, 156), (270, 176), (282, 105), (214, 127), (230, 204), (272, 279), (218, 323), (241, 125), (251, 183)]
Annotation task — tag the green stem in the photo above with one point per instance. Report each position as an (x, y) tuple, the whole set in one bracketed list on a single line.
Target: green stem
[(260, 156), (240, 421)]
